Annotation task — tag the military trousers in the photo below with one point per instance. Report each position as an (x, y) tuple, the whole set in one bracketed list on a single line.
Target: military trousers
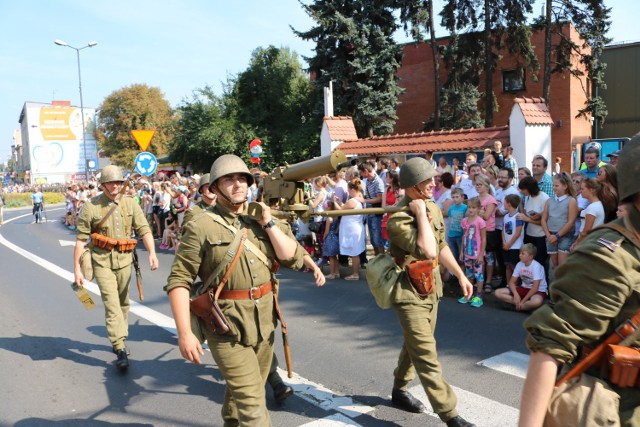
[(114, 291), (245, 369), (419, 354)]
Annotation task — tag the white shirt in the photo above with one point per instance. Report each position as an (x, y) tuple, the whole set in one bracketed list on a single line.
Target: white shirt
[(595, 209), (468, 187), (510, 226), (530, 273), (500, 195), (536, 205)]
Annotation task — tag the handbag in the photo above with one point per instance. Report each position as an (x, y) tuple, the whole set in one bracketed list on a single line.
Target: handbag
[(421, 276), (205, 306)]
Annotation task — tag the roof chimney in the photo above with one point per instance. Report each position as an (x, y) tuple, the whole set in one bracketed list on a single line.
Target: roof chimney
[(328, 100)]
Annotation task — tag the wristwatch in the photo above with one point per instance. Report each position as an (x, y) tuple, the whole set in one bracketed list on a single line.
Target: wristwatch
[(270, 224)]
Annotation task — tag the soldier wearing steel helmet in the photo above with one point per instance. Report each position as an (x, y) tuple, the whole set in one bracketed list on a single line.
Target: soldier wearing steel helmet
[(419, 235), (208, 199), (247, 299), (596, 290), (112, 263)]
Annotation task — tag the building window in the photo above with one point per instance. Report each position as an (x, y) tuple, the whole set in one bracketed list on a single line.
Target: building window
[(513, 80)]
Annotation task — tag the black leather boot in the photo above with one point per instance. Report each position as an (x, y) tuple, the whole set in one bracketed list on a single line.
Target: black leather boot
[(123, 361), (402, 399), (281, 391), (458, 421)]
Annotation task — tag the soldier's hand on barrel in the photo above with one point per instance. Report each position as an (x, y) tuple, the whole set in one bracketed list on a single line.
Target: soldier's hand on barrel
[(418, 206), (190, 347), (266, 214)]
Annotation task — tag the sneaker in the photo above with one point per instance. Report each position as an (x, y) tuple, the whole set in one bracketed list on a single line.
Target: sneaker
[(463, 300), (476, 302)]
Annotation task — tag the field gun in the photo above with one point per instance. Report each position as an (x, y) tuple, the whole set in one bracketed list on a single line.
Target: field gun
[(284, 190)]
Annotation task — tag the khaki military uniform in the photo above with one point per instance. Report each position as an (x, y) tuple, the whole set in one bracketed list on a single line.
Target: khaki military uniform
[(594, 291), (418, 316), (112, 269), (244, 356)]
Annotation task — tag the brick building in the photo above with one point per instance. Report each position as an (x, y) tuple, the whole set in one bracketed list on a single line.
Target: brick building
[(566, 93)]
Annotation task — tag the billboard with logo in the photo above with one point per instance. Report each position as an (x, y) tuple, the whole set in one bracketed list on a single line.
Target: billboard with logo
[(55, 140)]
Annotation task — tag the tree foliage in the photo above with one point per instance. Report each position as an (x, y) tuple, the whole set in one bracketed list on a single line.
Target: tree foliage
[(591, 18), (135, 107), (273, 97), (503, 26), (206, 128), (355, 49)]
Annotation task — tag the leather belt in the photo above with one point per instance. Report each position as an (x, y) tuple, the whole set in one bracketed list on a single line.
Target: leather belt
[(254, 293)]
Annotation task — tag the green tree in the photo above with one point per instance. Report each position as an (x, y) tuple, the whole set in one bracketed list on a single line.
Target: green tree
[(503, 26), (591, 19), (273, 96), (206, 127), (135, 107), (355, 49), (417, 17)]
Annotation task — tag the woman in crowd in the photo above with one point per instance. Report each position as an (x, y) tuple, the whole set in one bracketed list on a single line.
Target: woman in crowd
[(522, 172), (351, 234), (608, 177), (593, 215), (532, 216), (487, 212), (157, 197), (317, 206), (559, 218)]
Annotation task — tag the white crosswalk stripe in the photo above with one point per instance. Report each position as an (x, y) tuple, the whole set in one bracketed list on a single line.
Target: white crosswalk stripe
[(510, 362)]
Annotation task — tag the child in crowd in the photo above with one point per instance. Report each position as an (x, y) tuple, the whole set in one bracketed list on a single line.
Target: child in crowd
[(533, 290), (170, 232), (576, 180), (512, 234), (559, 217), (309, 246), (488, 205), (331, 247), (456, 213), (474, 244)]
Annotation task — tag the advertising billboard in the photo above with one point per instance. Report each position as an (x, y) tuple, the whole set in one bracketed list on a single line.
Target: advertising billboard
[(56, 145)]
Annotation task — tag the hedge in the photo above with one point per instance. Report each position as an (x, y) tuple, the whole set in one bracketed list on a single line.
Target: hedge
[(15, 200)]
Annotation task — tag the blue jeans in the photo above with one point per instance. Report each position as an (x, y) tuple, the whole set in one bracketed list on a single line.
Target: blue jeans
[(455, 244), (374, 222)]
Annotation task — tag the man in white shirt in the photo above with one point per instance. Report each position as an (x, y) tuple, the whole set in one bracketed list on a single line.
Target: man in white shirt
[(467, 184)]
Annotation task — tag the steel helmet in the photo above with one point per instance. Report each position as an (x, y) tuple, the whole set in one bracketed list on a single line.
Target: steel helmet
[(111, 173), (414, 171), (228, 164), (204, 180), (628, 169)]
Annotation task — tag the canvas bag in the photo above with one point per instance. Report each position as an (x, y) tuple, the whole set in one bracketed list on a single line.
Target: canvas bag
[(382, 274)]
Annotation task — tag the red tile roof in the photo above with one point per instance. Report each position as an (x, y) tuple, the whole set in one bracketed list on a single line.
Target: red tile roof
[(448, 140), (535, 111), (341, 128)]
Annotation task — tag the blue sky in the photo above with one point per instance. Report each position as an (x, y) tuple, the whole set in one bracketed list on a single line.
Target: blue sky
[(176, 45)]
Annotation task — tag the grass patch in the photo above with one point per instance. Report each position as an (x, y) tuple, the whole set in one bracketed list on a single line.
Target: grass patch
[(17, 200)]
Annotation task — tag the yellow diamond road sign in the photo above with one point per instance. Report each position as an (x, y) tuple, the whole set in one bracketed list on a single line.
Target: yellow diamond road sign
[(143, 138)]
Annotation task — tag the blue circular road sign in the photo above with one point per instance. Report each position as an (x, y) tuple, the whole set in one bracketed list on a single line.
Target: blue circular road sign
[(146, 163)]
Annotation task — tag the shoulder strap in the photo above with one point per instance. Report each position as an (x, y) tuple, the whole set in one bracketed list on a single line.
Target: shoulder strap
[(249, 245), (231, 256)]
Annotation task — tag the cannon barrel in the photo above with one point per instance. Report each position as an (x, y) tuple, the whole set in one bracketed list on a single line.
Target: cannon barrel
[(316, 167), (364, 211)]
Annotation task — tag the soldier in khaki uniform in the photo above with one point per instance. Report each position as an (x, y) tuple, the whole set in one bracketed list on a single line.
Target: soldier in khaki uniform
[(207, 200), (419, 235), (244, 355), (594, 292), (112, 267)]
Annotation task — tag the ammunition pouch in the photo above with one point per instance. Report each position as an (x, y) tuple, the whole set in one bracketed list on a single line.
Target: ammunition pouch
[(624, 365), (422, 277), (108, 243)]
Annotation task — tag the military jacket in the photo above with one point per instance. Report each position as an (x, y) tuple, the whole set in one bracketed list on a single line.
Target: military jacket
[(194, 211), (204, 245), (126, 216), (402, 229), (593, 292)]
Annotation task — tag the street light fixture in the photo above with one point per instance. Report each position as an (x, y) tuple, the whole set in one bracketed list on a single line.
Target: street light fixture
[(84, 140)]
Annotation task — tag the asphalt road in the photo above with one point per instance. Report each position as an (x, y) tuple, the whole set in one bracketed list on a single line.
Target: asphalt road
[(57, 368)]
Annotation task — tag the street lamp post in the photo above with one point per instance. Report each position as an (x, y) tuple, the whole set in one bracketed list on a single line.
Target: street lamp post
[(84, 139)]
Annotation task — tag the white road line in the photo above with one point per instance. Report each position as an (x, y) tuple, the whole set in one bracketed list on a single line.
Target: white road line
[(326, 399), (510, 362), (336, 420), (475, 408)]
